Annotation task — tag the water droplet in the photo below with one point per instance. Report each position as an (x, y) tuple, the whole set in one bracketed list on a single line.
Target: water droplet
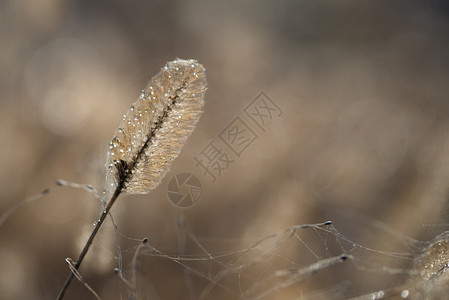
[(404, 294), (115, 142), (131, 108), (94, 223)]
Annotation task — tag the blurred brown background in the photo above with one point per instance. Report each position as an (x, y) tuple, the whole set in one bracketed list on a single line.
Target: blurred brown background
[(363, 138)]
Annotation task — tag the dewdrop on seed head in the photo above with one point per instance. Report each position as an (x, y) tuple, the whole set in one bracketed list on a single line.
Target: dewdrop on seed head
[(155, 128)]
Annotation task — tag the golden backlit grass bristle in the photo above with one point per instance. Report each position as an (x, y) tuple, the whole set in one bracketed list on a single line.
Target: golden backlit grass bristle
[(156, 126)]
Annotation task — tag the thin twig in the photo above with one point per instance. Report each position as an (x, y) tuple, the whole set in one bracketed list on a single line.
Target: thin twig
[(119, 252), (114, 197), (80, 278), (90, 189), (10, 211), (132, 284)]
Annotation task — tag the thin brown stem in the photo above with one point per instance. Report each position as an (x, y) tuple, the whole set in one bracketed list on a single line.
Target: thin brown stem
[(100, 222)]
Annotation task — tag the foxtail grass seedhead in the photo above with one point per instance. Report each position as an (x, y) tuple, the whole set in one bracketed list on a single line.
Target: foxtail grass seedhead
[(156, 127), (150, 137)]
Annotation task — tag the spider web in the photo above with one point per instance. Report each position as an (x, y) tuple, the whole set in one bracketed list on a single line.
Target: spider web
[(310, 261)]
